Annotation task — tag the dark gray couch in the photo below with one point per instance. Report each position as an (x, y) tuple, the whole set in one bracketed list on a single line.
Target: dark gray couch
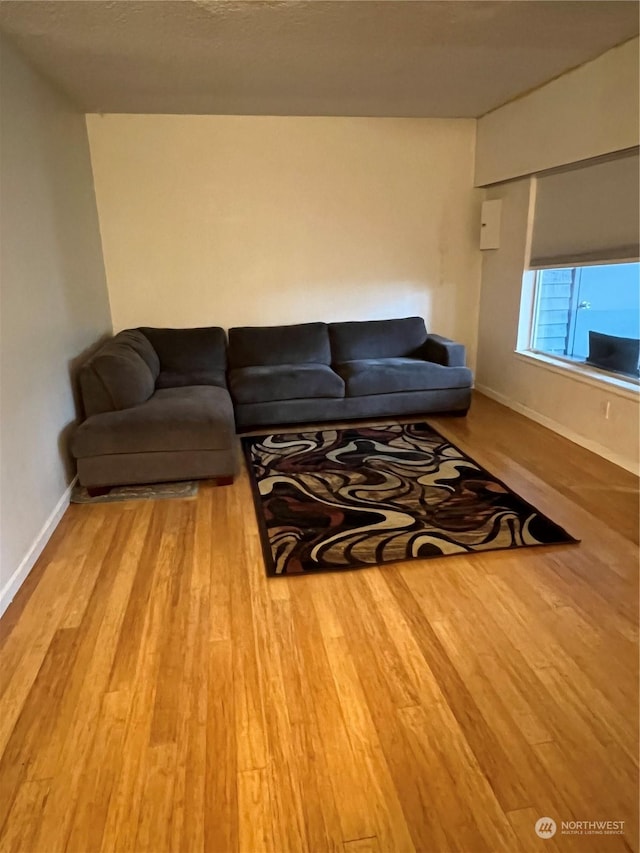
[(157, 408), (318, 372)]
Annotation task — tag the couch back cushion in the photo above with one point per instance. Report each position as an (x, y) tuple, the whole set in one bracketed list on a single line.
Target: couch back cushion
[(376, 339), (141, 344), (117, 376), (304, 343), (189, 350)]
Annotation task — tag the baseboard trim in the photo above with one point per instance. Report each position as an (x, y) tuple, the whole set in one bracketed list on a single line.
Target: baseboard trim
[(594, 446), (16, 580)]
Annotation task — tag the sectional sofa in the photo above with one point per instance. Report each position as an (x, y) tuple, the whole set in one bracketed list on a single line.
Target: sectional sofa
[(164, 404)]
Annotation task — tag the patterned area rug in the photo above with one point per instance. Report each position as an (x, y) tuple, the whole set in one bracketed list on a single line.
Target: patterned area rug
[(155, 492), (347, 498)]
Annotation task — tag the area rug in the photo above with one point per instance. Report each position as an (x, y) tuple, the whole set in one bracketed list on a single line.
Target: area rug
[(155, 492), (347, 498)]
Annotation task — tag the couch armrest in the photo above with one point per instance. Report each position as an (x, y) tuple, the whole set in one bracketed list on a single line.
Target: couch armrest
[(443, 351)]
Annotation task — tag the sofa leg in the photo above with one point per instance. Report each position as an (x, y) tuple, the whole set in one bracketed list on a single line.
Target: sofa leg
[(98, 491), (223, 481)]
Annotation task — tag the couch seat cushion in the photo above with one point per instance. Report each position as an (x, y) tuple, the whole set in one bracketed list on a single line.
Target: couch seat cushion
[(284, 382), (391, 375), (189, 418)]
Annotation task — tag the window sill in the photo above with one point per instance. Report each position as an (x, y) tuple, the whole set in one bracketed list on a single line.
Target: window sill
[(583, 373)]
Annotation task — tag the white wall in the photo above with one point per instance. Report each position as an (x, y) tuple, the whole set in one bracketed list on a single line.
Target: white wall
[(240, 220), (585, 113), (54, 304)]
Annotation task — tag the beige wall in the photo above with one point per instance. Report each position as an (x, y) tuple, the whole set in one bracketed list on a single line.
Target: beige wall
[(228, 220), (590, 111), (54, 304)]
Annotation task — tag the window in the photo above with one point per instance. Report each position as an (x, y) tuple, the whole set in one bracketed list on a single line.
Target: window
[(581, 295), (589, 314)]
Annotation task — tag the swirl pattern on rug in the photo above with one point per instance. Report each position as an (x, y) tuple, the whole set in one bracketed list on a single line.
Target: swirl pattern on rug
[(346, 498)]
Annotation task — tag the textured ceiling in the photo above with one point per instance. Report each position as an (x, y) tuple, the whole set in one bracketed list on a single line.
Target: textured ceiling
[(344, 57)]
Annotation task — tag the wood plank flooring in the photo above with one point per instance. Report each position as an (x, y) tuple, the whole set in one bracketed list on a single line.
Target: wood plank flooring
[(159, 693)]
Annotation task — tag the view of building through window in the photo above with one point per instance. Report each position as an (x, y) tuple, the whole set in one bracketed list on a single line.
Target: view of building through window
[(590, 313)]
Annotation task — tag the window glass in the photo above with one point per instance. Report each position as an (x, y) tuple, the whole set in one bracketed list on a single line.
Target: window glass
[(590, 314)]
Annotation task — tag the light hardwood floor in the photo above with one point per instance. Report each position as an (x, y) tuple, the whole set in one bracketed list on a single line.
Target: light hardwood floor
[(159, 693)]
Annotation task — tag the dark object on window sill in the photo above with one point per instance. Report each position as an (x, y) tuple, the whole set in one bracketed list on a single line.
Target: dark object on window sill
[(609, 352)]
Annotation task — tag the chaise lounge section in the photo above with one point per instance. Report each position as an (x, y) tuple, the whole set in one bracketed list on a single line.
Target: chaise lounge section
[(158, 409)]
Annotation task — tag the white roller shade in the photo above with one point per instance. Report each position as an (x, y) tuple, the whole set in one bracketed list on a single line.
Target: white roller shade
[(588, 214)]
